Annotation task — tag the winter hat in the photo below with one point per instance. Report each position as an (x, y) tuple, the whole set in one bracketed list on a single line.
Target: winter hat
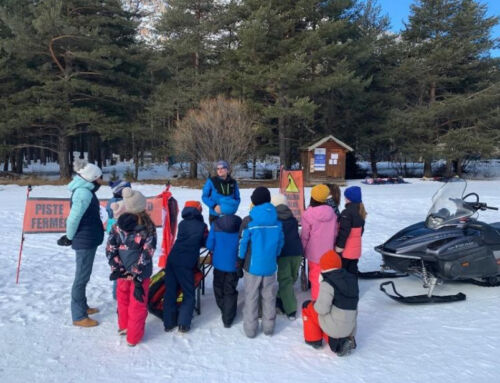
[(222, 164), (134, 200), (118, 208), (89, 172), (195, 204), (330, 260), (353, 194), (320, 193), (279, 199), (260, 195), (118, 186)]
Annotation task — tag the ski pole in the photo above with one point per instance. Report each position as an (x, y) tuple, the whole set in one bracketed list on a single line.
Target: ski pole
[(22, 235)]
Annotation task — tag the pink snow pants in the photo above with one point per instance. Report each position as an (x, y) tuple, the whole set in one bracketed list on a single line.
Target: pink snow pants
[(132, 313)]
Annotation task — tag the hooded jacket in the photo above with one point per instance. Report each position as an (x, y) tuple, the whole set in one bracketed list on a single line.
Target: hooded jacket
[(191, 236), (223, 241), (131, 247), (319, 228), (265, 236), (337, 303), (83, 225), (217, 188), (292, 245), (351, 229)]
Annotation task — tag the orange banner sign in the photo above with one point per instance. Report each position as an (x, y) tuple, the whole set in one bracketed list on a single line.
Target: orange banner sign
[(48, 215), (292, 185)]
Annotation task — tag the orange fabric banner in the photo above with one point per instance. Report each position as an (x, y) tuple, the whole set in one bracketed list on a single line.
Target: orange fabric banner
[(292, 185), (48, 215)]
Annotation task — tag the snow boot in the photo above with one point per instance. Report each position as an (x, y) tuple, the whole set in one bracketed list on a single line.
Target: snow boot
[(122, 331), (292, 316), (348, 345), (315, 344), (92, 310), (85, 322), (184, 329)]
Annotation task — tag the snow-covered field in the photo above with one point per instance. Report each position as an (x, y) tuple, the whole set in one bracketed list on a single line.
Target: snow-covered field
[(456, 342)]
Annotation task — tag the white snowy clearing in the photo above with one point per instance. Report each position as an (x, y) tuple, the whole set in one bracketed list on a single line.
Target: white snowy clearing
[(456, 342)]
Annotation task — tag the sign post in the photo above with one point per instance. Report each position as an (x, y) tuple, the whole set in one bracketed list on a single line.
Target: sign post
[(22, 234), (292, 186)]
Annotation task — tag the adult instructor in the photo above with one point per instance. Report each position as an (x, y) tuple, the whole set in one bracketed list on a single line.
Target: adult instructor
[(84, 232), (218, 188)]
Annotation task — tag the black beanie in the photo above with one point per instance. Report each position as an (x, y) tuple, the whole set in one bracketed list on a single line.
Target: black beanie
[(260, 195)]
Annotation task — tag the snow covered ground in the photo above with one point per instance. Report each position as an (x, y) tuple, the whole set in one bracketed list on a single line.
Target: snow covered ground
[(456, 342)]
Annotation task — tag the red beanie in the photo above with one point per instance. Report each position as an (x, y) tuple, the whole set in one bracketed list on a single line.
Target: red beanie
[(330, 260), (195, 204)]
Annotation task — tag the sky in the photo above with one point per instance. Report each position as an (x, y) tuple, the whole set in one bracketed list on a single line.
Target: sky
[(398, 11)]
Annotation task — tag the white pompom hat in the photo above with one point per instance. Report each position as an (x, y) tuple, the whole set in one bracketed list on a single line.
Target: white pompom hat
[(134, 200), (89, 172)]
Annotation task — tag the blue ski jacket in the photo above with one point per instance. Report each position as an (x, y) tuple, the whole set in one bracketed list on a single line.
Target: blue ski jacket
[(216, 189)]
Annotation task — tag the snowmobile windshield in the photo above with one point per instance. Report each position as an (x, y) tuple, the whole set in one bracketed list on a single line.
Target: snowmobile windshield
[(448, 206)]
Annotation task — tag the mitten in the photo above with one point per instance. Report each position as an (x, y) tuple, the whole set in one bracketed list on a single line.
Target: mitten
[(138, 290), (115, 274), (64, 241), (239, 267)]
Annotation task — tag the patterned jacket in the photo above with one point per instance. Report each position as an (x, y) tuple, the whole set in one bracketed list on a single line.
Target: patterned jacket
[(131, 246)]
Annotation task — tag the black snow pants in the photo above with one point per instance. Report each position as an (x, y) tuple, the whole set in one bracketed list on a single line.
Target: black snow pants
[(226, 295)]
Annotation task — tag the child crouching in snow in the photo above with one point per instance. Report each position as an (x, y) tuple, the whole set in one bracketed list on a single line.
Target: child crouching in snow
[(333, 315), (130, 248)]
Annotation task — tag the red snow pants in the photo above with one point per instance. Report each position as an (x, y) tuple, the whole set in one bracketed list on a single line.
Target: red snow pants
[(132, 313), (314, 272), (312, 330)]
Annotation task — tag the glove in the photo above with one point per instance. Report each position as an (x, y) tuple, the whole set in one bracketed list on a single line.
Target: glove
[(64, 241), (239, 267), (115, 274), (138, 290)]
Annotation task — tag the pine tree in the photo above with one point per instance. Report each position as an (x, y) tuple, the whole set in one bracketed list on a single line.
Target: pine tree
[(447, 62), (80, 58)]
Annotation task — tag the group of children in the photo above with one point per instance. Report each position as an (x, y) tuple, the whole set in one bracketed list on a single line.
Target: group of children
[(265, 248)]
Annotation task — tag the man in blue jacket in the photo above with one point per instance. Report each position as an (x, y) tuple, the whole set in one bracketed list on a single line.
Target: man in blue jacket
[(84, 232), (222, 185)]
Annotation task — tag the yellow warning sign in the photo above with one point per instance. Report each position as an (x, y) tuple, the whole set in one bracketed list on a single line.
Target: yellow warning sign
[(292, 186)]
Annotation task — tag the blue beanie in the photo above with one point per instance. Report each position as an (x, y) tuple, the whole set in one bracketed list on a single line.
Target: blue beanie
[(222, 164), (118, 186), (228, 205), (353, 194)]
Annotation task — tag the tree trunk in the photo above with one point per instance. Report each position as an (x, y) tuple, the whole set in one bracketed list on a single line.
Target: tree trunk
[(373, 163), (19, 161), (254, 167), (458, 164), (427, 168), (136, 165), (281, 141), (6, 163), (193, 169), (449, 168), (63, 157)]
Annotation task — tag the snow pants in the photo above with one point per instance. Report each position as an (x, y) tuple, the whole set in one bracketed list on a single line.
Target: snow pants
[(178, 277), (226, 295), (313, 334), (132, 314), (265, 288), (350, 265), (84, 263), (314, 272), (288, 271)]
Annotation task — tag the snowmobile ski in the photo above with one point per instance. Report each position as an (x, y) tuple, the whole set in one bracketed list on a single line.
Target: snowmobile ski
[(380, 274), (420, 299)]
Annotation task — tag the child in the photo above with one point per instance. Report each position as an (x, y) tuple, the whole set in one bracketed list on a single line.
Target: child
[(352, 225), (130, 248), (223, 242), (290, 257), (333, 315), (262, 236), (182, 260), (117, 188), (333, 199), (319, 228)]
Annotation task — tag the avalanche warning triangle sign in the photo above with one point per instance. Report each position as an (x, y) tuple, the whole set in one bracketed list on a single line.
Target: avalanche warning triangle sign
[(292, 186)]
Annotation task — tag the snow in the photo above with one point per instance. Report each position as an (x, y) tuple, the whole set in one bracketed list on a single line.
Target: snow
[(396, 343)]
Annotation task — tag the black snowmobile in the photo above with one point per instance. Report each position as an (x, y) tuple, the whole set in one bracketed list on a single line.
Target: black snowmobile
[(450, 245)]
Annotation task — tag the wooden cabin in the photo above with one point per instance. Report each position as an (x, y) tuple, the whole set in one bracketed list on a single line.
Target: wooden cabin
[(325, 161)]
